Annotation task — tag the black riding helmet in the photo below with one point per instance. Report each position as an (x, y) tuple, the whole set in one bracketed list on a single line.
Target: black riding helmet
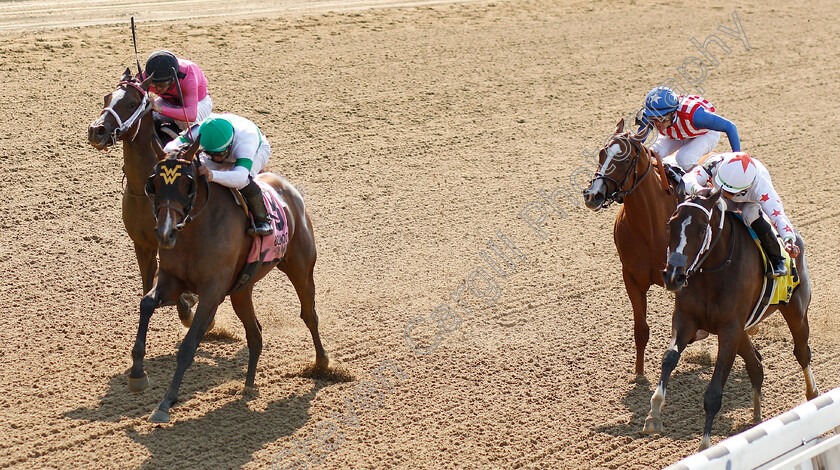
[(160, 63)]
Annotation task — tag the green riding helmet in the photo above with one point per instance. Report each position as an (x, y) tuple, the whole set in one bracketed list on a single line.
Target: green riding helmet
[(216, 134)]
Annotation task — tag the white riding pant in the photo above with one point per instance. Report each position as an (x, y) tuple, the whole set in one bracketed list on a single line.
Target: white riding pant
[(205, 107), (688, 151)]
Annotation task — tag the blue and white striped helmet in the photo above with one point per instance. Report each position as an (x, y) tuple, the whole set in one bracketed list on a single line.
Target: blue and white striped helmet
[(660, 101)]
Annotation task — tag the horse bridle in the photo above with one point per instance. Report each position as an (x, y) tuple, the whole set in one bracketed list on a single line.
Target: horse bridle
[(186, 204), (625, 145), (122, 126), (708, 242)]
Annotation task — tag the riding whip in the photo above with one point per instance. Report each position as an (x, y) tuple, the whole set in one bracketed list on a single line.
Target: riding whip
[(134, 40), (181, 97)]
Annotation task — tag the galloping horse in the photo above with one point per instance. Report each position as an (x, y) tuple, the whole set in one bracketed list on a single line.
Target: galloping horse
[(212, 251), (640, 235), (126, 117), (715, 251)]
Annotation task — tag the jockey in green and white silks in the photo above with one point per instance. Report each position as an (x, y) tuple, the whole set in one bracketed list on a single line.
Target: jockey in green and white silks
[(748, 189), (239, 151)]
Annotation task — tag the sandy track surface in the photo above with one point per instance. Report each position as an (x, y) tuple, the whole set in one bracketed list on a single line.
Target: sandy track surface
[(36, 14), (418, 134)]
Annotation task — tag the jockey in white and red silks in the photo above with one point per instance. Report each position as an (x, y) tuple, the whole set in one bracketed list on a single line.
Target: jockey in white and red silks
[(748, 189), (164, 67), (687, 125)]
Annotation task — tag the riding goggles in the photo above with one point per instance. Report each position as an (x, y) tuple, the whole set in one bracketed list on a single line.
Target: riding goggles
[(662, 119)]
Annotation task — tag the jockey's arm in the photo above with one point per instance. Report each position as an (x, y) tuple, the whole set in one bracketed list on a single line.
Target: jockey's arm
[(771, 204), (706, 120), (183, 139), (236, 177), (695, 180)]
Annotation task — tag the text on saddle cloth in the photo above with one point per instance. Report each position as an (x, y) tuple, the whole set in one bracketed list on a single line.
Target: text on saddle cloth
[(272, 247)]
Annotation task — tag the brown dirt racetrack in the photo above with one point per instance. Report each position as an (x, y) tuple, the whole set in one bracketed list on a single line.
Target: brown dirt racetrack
[(417, 134)]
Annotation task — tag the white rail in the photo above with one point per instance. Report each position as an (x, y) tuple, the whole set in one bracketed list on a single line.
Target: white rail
[(801, 439)]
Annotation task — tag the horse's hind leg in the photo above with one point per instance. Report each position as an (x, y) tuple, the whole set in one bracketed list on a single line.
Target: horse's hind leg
[(752, 360), (300, 268), (244, 307), (796, 316), (682, 333), (641, 330), (728, 345)]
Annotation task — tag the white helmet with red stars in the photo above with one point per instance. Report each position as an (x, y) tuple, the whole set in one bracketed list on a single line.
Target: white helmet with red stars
[(736, 172)]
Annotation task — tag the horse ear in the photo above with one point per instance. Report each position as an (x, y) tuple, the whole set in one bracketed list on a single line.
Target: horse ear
[(126, 75), (158, 149), (640, 137), (192, 150), (619, 128), (145, 83)]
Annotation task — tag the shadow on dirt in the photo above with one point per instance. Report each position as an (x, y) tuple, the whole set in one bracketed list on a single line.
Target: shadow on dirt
[(224, 437), (683, 415)]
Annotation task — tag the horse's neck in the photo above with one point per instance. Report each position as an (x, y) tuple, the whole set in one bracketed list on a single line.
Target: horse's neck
[(649, 202), (139, 157), (725, 235)]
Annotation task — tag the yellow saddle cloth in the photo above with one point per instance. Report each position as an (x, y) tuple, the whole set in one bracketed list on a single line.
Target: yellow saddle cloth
[(773, 291)]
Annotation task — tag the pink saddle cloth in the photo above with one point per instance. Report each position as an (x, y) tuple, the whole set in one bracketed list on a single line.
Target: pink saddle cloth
[(272, 247)]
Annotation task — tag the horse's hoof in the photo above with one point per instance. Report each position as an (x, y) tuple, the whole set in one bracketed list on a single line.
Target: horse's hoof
[(652, 426), (705, 442), (322, 363), (159, 416), (184, 306), (138, 384), (250, 391)]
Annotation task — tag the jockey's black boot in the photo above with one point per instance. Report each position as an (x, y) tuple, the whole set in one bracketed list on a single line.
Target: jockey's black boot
[(771, 247), (253, 196)]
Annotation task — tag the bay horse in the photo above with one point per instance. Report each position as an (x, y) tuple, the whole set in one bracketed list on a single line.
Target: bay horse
[(211, 251), (126, 117), (625, 175), (714, 250)]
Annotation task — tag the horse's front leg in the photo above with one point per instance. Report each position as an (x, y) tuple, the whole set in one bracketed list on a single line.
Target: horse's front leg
[(147, 261), (728, 345), (682, 333), (164, 289), (641, 330), (204, 314)]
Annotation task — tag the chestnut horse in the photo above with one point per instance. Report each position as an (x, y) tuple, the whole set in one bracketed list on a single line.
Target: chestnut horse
[(126, 117), (715, 251), (211, 250), (626, 173)]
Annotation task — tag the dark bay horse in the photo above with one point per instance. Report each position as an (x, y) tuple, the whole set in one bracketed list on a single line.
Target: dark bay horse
[(716, 270), (627, 173), (210, 252), (126, 116)]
